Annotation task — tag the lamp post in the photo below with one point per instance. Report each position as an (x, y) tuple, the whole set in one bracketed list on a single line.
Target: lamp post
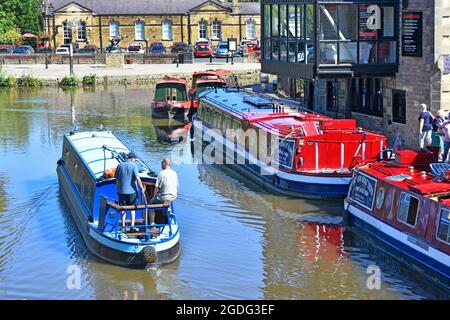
[(46, 10)]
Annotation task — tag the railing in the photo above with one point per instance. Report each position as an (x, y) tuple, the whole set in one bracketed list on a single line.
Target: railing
[(144, 208)]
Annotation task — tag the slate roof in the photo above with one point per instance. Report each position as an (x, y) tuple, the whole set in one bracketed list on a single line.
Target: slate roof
[(143, 7)]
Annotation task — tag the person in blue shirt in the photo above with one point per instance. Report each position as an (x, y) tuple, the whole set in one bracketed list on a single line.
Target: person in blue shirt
[(127, 174), (425, 127)]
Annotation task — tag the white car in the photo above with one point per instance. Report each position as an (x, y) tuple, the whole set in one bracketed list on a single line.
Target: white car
[(64, 51), (135, 47)]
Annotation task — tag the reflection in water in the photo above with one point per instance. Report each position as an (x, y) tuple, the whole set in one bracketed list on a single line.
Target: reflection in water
[(237, 241)]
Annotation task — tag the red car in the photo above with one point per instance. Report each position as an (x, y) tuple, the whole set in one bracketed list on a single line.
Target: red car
[(203, 51)]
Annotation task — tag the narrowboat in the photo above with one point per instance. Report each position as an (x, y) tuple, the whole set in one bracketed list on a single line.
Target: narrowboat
[(404, 204), (203, 84), (296, 154), (87, 184), (171, 99)]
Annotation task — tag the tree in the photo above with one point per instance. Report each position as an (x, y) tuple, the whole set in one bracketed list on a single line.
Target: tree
[(11, 37), (22, 15)]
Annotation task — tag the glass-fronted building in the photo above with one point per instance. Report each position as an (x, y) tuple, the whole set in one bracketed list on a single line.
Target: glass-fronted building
[(312, 39), (371, 60)]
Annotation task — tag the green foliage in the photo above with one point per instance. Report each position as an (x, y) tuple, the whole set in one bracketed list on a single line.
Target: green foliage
[(5, 80), (11, 37), (28, 81), (70, 81), (89, 80), (22, 15)]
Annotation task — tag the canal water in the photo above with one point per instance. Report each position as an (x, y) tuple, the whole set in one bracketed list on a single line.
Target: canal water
[(238, 242)]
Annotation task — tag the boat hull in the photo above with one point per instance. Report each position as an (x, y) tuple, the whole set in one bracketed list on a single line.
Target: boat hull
[(429, 264), (110, 250), (282, 182)]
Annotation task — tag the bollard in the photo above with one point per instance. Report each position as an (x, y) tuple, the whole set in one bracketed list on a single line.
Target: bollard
[(178, 61), (210, 59)]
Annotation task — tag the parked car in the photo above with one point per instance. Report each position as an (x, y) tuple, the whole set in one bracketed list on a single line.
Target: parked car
[(203, 41), (157, 48), (6, 48), (203, 51), (88, 49), (113, 49), (222, 50), (135, 47), (242, 44), (179, 47), (23, 50), (63, 51)]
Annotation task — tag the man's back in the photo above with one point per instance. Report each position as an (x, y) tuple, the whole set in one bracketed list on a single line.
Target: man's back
[(167, 182), (126, 174)]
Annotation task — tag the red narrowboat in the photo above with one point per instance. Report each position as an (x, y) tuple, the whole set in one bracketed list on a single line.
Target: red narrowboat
[(405, 204), (295, 154), (171, 99)]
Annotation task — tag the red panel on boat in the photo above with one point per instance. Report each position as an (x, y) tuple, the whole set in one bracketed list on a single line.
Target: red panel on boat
[(430, 188), (345, 124), (310, 129), (414, 157)]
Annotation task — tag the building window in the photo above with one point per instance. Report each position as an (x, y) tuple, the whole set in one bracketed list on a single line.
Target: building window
[(67, 32), (81, 30), (114, 31), (407, 210), (250, 28), (332, 97), (443, 232), (367, 96), (216, 28), (203, 30), (139, 30), (167, 30), (399, 106)]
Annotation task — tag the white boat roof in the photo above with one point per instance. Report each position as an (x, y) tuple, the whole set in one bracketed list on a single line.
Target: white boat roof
[(89, 145)]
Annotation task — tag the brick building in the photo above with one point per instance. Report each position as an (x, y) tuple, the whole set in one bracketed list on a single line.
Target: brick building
[(372, 60), (97, 21)]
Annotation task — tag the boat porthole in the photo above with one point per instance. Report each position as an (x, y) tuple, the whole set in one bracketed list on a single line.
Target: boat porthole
[(380, 198)]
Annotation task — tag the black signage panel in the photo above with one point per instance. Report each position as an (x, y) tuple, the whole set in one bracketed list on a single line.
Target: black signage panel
[(286, 151), (363, 190), (412, 30)]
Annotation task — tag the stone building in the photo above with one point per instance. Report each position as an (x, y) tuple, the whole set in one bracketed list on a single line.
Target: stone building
[(372, 60), (96, 22)]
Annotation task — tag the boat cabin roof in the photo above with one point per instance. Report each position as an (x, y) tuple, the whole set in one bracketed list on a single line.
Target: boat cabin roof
[(172, 81), (412, 170), (89, 145)]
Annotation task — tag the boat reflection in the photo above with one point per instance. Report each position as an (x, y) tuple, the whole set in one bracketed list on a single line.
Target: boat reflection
[(170, 130)]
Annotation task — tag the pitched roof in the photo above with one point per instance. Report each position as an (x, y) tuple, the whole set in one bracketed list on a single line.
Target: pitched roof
[(143, 7)]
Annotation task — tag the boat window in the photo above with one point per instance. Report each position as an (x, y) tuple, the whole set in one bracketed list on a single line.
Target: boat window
[(407, 210), (225, 122), (443, 232)]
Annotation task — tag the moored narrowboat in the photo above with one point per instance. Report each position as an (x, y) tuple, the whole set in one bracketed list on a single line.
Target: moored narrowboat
[(171, 99), (405, 205), (87, 184), (295, 154), (202, 84)]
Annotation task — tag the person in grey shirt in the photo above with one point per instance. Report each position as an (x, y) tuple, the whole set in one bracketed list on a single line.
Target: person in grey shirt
[(127, 174), (166, 187)]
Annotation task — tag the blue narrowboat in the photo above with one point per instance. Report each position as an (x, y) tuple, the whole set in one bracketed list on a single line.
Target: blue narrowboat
[(292, 153), (87, 184)]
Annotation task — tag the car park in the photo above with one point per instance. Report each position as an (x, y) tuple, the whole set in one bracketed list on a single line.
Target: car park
[(157, 48), (113, 49), (23, 50), (63, 51), (203, 51), (179, 47), (135, 47), (6, 48), (222, 50)]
